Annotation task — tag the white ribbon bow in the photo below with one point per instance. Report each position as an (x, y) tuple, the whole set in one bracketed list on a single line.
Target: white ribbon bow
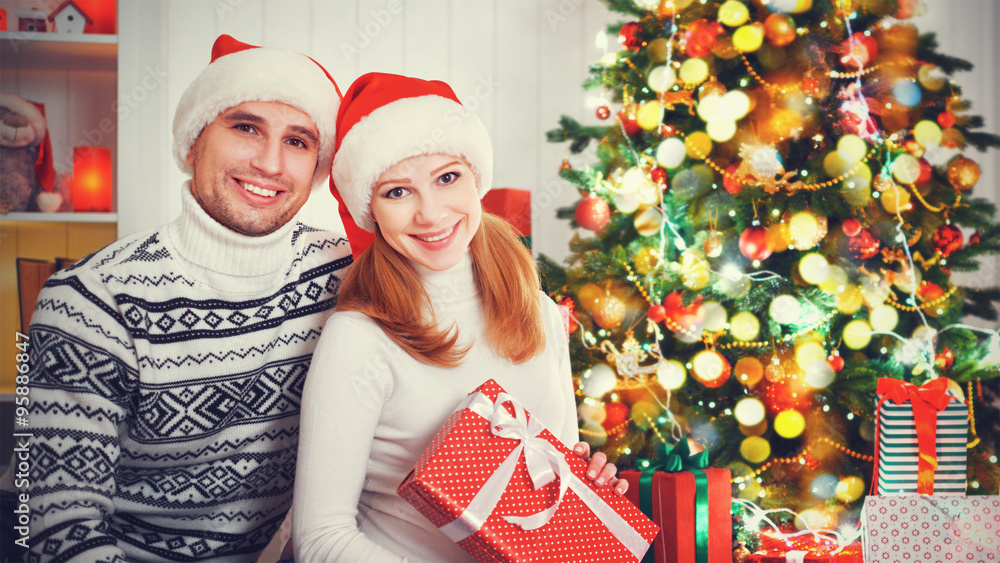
[(544, 463)]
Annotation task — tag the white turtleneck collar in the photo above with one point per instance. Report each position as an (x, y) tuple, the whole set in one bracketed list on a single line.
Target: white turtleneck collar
[(449, 286), (209, 245)]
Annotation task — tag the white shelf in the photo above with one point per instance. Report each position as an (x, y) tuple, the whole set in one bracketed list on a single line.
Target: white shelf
[(34, 50), (65, 217)]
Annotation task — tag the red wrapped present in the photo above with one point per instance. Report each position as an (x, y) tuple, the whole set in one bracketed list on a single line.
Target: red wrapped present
[(504, 488), (803, 549), (691, 502)]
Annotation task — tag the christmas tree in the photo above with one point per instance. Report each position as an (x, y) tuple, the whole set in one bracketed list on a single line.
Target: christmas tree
[(781, 194)]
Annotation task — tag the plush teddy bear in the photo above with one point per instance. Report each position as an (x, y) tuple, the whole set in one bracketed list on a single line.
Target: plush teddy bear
[(22, 132)]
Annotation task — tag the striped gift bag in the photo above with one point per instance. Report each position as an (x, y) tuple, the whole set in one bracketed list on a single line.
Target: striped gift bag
[(927, 420)]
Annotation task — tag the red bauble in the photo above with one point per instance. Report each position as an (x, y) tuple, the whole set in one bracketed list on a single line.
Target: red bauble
[(976, 238), (603, 112), (944, 359), (851, 227), (628, 36), (675, 310), (571, 306), (592, 213), (864, 245), (947, 239), (753, 243), (656, 313), (710, 368), (858, 51), (658, 175), (615, 414), (700, 37), (946, 119), (627, 119), (836, 362), (929, 291), (729, 182), (925, 172)]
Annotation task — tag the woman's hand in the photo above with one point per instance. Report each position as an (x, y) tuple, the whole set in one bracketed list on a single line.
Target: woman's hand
[(599, 470)]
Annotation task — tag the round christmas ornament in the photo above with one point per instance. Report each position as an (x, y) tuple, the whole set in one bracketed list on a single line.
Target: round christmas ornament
[(698, 145), (656, 313), (712, 245), (670, 152), (629, 37), (695, 271), (598, 381), (616, 414), (777, 236), (927, 133), (850, 299), (896, 199), (748, 38), (700, 37), (931, 77), (671, 374), (753, 243), (943, 359), (603, 112), (906, 169), (774, 372), (646, 260), (851, 227), (647, 222), (963, 173), (589, 411), (946, 119), (779, 29), (805, 229), (748, 371), (588, 295), (947, 239), (976, 238), (649, 115), (710, 368), (658, 50), (755, 449), (733, 13), (789, 424), (627, 118), (858, 51), (835, 360), (659, 176), (694, 71), (609, 312), (864, 245), (661, 78), (729, 181), (592, 213), (669, 8), (929, 291), (926, 172)]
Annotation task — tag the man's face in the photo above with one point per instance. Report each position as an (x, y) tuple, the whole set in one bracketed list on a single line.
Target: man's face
[(253, 166)]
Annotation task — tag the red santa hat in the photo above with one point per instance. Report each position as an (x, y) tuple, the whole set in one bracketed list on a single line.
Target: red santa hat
[(386, 118), (239, 73)]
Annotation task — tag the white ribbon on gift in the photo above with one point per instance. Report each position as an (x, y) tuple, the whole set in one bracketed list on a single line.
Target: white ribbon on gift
[(544, 463), (796, 556)]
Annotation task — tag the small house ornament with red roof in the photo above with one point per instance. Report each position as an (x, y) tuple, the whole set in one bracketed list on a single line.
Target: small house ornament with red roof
[(69, 18)]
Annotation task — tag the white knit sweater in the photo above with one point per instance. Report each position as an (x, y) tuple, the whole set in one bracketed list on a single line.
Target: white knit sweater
[(166, 378), (369, 410)]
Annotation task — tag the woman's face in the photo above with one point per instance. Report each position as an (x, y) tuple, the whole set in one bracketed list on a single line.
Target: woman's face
[(427, 208)]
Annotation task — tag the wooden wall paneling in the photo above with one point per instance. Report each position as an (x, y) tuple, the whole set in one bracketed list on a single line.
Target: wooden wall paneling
[(145, 189), (10, 316), (84, 238)]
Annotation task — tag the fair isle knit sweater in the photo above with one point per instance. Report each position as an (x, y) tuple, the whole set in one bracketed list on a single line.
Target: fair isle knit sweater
[(166, 377)]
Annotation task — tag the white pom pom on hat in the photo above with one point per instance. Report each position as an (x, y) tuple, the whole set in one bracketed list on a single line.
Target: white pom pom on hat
[(239, 73), (387, 118)]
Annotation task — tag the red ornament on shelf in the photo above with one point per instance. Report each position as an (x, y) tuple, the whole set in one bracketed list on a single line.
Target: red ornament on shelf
[(851, 227), (864, 245), (947, 239), (603, 112), (629, 38), (753, 243), (592, 213)]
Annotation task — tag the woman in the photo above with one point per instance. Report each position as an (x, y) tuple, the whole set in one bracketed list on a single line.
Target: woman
[(444, 298)]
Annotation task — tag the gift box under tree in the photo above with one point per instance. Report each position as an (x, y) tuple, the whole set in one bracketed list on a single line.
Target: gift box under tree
[(691, 502), (474, 483), (922, 437), (931, 528), (804, 548)]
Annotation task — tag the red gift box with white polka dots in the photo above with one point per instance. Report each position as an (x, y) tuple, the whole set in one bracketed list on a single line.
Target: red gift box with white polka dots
[(917, 528), (462, 465)]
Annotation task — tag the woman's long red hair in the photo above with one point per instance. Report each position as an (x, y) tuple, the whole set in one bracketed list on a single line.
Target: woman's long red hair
[(384, 285)]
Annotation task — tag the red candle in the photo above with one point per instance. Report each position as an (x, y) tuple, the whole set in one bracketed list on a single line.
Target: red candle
[(91, 179)]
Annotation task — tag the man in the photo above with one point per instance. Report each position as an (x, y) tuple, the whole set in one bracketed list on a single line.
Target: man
[(166, 369)]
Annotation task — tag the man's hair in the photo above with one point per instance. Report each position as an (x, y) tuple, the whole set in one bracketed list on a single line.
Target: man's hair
[(386, 287)]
